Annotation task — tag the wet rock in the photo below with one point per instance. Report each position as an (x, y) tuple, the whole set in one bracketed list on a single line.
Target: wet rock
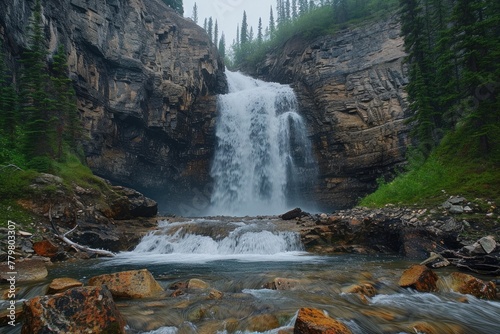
[(280, 283), (292, 214), (197, 284), (260, 323), (62, 284), (45, 248), (435, 328), (468, 284), (27, 270), (79, 310), (314, 321), (215, 294), (129, 284), (420, 278), (365, 289)]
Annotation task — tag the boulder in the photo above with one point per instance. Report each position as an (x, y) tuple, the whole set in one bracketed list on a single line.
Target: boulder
[(45, 248), (470, 285), (59, 285), (314, 321), (292, 214), (78, 310), (420, 278), (129, 284)]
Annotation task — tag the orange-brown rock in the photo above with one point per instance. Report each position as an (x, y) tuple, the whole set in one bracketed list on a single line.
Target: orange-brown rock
[(420, 278), (129, 284), (471, 285), (365, 289), (62, 284), (79, 310), (314, 321), (45, 248)]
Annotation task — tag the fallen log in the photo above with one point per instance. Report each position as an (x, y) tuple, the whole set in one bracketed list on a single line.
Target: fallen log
[(76, 246)]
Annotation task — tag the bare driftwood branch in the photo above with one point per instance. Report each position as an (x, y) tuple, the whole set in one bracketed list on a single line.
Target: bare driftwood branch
[(76, 246)]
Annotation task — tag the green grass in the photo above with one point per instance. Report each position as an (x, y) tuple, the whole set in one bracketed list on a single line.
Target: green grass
[(10, 210), (452, 169), (73, 172)]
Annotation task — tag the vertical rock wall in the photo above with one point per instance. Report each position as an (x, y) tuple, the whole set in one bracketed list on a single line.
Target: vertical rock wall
[(351, 89), (146, 81)]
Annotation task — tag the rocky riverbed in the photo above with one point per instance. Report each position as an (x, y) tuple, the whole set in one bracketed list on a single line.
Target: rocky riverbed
[(459, 235)]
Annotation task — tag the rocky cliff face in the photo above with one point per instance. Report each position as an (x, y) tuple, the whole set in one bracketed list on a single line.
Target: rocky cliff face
[(350, 88), (146, 81)]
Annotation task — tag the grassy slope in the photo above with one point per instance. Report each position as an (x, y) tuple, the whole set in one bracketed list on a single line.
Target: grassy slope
[(454, 168)]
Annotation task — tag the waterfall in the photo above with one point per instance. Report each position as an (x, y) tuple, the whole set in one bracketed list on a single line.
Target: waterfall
[(263, 156)]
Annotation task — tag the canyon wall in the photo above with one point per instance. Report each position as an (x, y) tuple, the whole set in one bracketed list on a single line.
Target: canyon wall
[(146, 81), (351, 90)]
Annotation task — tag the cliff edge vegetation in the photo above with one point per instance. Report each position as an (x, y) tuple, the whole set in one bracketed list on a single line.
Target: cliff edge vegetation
[(453, 93)]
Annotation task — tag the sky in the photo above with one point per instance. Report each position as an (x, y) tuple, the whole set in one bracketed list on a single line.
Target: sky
[(229, 13)]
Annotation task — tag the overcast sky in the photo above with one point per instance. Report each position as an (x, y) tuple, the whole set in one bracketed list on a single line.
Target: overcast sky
[(230, 12)]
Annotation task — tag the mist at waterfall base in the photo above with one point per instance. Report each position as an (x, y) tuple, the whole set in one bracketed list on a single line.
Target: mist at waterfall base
[(263, 161)]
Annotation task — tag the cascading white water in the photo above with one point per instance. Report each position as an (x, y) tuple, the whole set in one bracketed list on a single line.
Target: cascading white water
[(263, 154), (203, 240)]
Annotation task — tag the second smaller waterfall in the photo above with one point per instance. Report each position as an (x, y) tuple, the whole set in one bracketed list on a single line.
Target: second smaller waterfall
[(263, 156)]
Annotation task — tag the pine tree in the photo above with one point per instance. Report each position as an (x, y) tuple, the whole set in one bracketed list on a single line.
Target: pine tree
[(8, 106), (475, 28), (210, 28), (37, 105), (294, 10), (259, 32), (205, 25), (244, 29), (222, 45), (272, 26), (216, 33), (195, 13), (238, 43), (421, 73), (68, 127)]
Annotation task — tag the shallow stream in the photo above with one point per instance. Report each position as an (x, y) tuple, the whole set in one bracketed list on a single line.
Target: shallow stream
[(239, 257)]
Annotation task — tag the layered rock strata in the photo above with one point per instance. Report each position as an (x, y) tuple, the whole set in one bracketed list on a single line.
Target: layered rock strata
[(146, 81), (350, 86)]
